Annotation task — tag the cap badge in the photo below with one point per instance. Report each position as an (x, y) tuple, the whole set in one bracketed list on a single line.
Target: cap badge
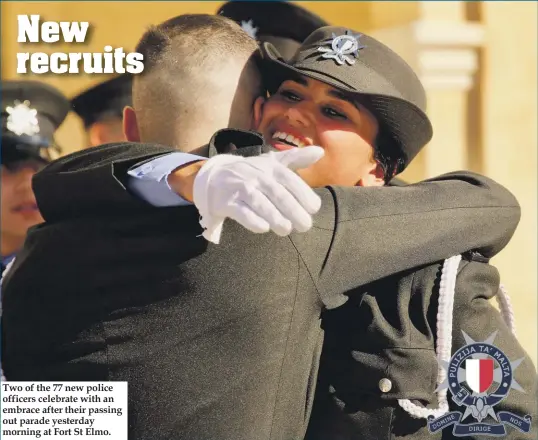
[(341, 47), (248, 27), (22, 119)]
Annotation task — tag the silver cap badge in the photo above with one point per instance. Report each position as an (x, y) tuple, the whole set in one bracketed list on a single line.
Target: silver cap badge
[(341, 47), (249, 28), (22, 119)]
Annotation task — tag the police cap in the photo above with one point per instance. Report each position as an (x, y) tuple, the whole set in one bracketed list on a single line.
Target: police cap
[(283, 24), (31, 112), (364, 69), (105, 99)]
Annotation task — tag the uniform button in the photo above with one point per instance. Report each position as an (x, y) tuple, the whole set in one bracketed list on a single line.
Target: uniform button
[(385, 385)]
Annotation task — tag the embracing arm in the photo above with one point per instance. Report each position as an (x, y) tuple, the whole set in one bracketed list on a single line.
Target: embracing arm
[(93, 182), (261, 193), (364, 234), (124, 177)]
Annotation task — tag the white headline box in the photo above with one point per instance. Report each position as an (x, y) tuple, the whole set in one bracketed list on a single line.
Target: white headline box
[(64, 410)]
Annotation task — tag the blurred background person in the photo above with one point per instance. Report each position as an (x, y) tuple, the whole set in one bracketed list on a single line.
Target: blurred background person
[(101, 110), (31, 113)]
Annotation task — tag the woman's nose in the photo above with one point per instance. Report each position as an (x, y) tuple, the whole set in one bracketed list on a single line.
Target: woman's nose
[(298, 115)]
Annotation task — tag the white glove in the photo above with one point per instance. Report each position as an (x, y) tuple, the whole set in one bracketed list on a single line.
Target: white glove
[(261, 193)]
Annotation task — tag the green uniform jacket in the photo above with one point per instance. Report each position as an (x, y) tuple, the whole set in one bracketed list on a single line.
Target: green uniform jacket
[(381, 347)]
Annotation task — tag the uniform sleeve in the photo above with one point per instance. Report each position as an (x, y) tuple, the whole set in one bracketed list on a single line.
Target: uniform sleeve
[(150, 180), (364, 234), (92, 182), (119, 179)]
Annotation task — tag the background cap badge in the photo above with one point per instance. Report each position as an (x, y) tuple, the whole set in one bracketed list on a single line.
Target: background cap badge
[(32, 111), (249, 28), (22, 119)]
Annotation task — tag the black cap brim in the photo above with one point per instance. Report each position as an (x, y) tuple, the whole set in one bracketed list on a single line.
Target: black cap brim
[(104, 99), (406, 123), (23, 148)]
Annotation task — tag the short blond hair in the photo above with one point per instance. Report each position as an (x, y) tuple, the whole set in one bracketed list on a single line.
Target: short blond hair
[(195, 66)]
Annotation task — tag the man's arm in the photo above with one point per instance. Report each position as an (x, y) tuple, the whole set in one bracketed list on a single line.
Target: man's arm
[(95, 181), (261, 193), (267, 194)]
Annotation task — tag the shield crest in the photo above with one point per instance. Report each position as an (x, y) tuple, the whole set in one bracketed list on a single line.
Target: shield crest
[(479, 374)]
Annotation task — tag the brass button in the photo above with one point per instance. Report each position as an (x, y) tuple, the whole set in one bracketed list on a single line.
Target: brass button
[(385, 385)]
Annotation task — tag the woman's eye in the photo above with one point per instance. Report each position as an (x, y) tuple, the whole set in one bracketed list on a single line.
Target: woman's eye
[(291, 96), (332, 113)]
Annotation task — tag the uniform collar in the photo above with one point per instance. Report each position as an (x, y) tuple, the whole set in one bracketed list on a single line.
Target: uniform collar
[(6, 260), (249, 142)]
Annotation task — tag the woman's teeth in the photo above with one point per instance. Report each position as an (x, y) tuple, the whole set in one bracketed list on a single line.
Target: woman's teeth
[(288, 138)]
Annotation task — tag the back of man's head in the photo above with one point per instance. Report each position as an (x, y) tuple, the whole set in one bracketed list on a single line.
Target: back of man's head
[(200, 76)]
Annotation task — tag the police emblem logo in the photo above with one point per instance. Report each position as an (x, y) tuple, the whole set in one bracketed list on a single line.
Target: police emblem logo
[(342, 47), (22, 119), (249, 28), (479, 374), (479, 377)]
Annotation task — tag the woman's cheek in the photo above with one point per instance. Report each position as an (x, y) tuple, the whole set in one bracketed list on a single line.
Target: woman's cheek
[(269, 111)]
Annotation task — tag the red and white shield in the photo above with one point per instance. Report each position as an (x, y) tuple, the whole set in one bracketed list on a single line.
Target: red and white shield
[(479, 374)]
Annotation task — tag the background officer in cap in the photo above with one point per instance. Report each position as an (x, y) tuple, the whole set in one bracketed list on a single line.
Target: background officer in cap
[(101, 109), (282, 24), (31, 113)]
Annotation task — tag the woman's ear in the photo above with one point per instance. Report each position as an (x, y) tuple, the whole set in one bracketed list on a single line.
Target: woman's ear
[(374, 177)]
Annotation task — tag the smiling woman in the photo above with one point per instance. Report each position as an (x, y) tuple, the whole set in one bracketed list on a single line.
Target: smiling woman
[(307, 112), (19, 207), (351, 95)]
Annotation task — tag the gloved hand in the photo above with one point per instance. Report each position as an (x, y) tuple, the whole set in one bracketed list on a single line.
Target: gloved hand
[(261, 193)]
